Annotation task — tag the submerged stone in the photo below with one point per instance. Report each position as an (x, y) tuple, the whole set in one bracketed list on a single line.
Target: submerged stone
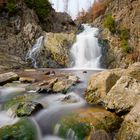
[(27, 80)]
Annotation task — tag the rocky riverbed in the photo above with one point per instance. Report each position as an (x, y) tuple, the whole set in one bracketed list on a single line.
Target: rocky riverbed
[(51, 102)]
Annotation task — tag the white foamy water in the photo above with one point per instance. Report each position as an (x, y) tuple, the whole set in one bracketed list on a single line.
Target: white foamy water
[(5, 119), (86, 51), (72, 7), (32, 54), (52, 138)]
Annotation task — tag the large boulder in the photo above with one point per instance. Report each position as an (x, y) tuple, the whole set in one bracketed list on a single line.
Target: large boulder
[(99, 85), (82, 122), (56, 50), (130, 129), (8, 77), (123, 95)]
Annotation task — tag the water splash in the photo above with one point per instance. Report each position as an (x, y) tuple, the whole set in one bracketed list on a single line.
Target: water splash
[(72, 7), (32, 54), (86, 51), (5, 119)]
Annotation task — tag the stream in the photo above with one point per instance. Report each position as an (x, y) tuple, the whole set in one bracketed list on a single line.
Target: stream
[(86, 53)]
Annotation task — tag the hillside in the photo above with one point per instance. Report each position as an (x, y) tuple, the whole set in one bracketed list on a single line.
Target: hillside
[(120, 30)]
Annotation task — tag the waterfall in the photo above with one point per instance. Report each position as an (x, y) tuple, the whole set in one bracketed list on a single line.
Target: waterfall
[(72, 7), (86, 51), (32, 54)]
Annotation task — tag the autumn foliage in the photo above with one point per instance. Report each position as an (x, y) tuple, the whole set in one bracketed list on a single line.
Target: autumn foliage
[(97, 9)]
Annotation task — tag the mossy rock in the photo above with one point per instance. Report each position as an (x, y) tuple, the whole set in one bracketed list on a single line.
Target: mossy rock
[(28, 108), (19, 99), (22, 130), (83, 121)]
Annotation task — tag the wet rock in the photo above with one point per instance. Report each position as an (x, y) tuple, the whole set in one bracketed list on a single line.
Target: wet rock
[(30, 70), (99, 135), (74, 79), (50, 73), (8, 77), (46, 86), (23, 129), (84, 71), (28, 108), (69, 99), (62, 86), (123, 95), (130, 128), (27, 80), (19, 99), (83, 121), (99, 85)]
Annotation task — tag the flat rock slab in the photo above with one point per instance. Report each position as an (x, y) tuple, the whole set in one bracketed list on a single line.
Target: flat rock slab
[(8, 77)]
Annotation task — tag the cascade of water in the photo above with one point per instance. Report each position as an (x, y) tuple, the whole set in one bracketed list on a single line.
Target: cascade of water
[(34, 51), (86, 51), (72, 7)]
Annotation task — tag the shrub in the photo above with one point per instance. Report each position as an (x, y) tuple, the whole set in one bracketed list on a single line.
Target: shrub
[(109, 23), (11, 6), (124, 34), (41, 7), (125, 46)]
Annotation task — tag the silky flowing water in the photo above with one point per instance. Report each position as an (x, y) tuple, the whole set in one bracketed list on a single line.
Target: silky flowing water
[(86, 61), (46, 121)]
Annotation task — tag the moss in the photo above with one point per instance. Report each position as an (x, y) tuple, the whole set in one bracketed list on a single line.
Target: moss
[(19, 99), (22, 130), (109, 23), (41, 7)]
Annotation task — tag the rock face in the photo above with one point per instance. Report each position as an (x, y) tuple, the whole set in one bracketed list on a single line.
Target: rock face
[(130, 128), (123, 95), (134, 71), (55, 52), (10, 62), (19, 31), (125, 16), (99, 86), (8, 77)]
